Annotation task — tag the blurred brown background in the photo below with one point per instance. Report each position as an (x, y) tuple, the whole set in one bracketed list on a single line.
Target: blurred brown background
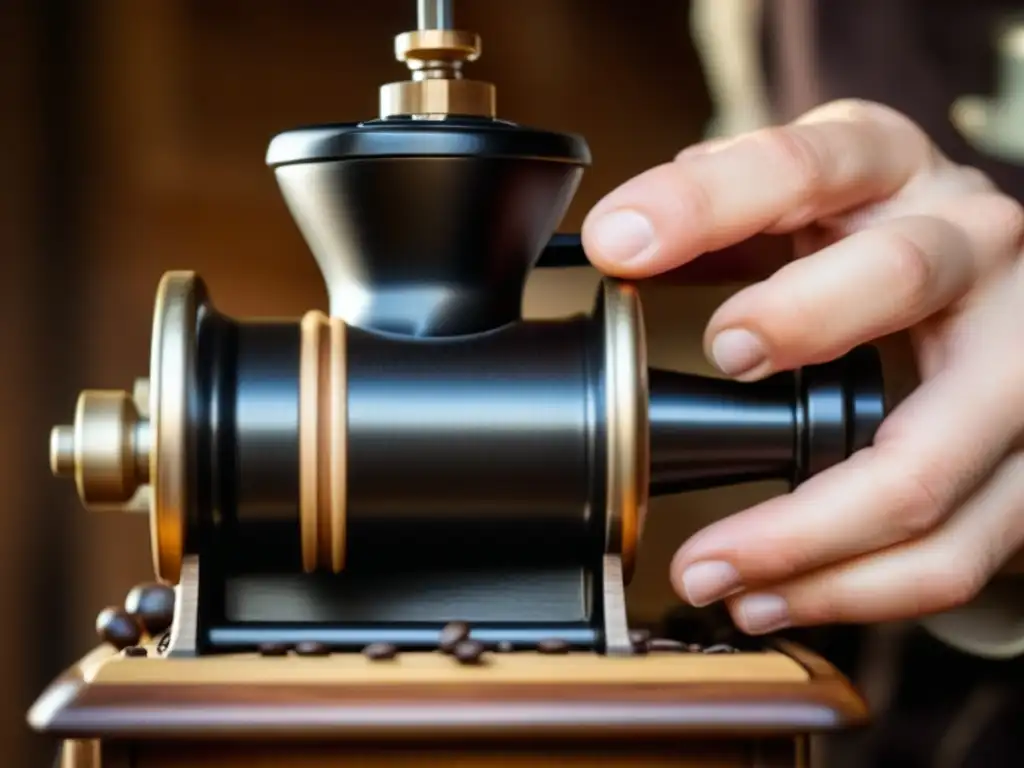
[(133, 134)]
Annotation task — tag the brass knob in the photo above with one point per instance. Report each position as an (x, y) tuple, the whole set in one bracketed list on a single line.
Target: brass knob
[(106, 450), (435, 58)]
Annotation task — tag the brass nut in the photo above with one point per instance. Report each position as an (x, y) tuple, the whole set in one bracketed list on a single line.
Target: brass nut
[(437, 45), (106, 450), (438, 97)]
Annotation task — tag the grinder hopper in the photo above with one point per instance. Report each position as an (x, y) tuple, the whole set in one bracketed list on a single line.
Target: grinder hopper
[(427, 221)]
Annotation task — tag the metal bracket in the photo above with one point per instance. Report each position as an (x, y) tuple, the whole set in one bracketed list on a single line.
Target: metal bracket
[(616, 625), (185, 627)]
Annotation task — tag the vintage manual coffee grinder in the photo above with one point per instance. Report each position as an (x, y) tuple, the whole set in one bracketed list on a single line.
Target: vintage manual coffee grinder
[(400, 533)]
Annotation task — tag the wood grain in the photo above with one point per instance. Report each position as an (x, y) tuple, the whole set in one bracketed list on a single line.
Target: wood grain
[(414, 669), (359, 701)]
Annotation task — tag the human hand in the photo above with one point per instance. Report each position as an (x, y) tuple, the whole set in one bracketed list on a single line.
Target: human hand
[(892, 236)]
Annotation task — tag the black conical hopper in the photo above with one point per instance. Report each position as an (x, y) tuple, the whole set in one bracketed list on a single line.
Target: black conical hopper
[(427, 228)]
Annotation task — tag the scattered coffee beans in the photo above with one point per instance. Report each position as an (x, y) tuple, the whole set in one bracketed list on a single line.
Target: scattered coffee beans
[(152, 605), (453, 633), (380, 651), (664, 644), (552, 645), (468, 651), (273, 649), (312, 648), (118, 627), (720, 648), (136, 651), (639, 636)]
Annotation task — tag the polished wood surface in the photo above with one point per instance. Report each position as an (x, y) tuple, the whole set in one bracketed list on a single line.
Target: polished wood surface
[(422, 696)]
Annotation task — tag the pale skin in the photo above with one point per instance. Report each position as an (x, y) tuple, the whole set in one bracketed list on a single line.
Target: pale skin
[(892, 237)]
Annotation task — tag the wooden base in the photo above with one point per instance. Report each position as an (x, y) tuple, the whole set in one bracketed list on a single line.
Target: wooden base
[(515, 709), (696, 754)]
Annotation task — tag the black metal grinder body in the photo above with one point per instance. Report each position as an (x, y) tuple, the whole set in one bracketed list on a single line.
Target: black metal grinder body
[(422, 453)]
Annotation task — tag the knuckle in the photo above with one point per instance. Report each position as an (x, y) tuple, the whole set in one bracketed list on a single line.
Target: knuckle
[(691, 200), (955, 582), (973, 179), (913, 269), (917, 505), (1006, 216), (800, 161)]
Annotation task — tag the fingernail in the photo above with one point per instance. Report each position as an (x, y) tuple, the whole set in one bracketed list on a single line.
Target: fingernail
[(737, 353), (623, 236), (760, 614), (704, 583)]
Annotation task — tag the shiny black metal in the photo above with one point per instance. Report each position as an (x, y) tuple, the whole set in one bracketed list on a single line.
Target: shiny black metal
[(710, 432), (481, 450), (464, 137), (427, 228)]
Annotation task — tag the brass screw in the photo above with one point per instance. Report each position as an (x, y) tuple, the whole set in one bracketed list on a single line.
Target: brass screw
[(106, 450)]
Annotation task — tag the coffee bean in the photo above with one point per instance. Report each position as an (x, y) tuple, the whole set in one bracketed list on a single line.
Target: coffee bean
[(273, 649), (118, 627), (453, 633), (694, 648), (639, 636), (468, 651), (552, 645), (135, 651), (505, 646), (664, 644), (380, 651), (152, 604), (720, 648), (312, 648)]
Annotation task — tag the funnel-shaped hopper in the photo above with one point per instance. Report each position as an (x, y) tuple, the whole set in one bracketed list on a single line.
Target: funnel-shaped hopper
[(427, 228)]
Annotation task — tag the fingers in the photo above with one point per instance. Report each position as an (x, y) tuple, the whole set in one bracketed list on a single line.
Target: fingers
[(936, 573), (873, 283), (774, 180), (927, 457)]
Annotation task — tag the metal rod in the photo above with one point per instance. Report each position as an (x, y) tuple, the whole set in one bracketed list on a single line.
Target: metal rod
[(434, 14)]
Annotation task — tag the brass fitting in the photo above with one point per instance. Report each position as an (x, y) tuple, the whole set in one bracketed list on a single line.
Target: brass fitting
[(107, 449), (437, 88)]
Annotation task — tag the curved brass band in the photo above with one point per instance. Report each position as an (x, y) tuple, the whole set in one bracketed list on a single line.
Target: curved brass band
[(628, 432), (437, 45), (172, 366), (438, 97), (323, 425)]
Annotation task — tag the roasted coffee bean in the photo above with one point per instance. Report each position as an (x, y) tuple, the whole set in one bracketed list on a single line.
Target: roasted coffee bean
[(273, 649), (118, 627), (505, 647), (453, 633), (136, 651), (552, 645), (312, 648), (380, 651), (152, 605), (664, 644), (720, 648), (639, 636), (468, 651)]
